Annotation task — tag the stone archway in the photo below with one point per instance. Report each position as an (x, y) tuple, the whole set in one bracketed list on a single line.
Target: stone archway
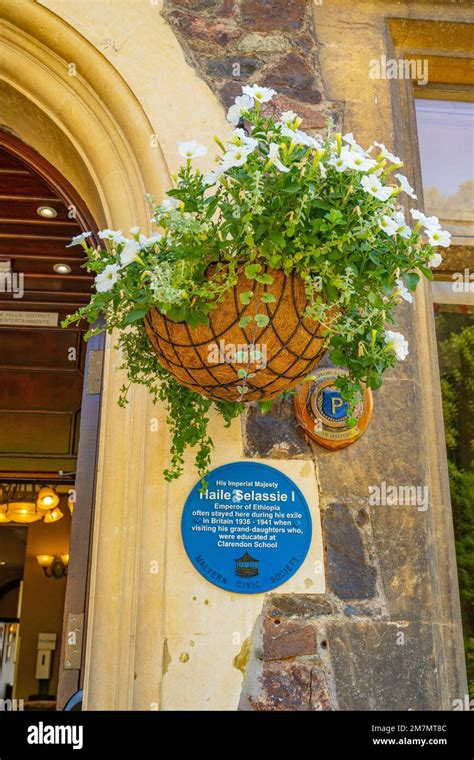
[(84, 118)]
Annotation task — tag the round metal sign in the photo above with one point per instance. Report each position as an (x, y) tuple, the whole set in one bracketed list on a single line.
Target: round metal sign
[(322, 413), (249, 531)]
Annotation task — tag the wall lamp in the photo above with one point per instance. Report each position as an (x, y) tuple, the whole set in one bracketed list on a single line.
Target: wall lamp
[(53, 565)]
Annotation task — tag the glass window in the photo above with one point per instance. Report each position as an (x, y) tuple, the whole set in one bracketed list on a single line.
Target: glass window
[(446, 140)]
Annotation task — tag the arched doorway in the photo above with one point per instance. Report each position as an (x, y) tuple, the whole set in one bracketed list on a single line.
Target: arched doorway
[(49, 419), (90, 126)]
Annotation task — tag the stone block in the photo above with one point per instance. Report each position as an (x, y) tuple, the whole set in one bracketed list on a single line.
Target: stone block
[(348, 574), (268, 15), (291, 686), (392, 667), (275, 433), (283, 639), (233, 66), (263, 43), (298, 605)]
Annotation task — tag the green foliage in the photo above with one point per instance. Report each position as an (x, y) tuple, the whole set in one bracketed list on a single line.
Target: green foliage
[(457, 348), (187, 411), (279, 200)]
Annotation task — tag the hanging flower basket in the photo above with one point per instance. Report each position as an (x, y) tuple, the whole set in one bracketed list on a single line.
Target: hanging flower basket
[(291, 245), (226, 362)]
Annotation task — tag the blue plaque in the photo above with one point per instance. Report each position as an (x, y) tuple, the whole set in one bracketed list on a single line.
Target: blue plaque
[(250, 531)]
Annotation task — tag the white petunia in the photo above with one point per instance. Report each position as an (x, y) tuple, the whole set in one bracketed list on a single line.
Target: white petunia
[(242, 103), (402, 227), (238, 137), (274, 157), (169, 203), (339, 162), (434, 260), (403, 291), (388, 225), (114, 235), (211, 177), (405, 185), (397, 343), (129, 253), (358, 161), (78, 239), (236, 156), (260, 94), (288, 116), (136, 230), (107, 279), (373, 186), (191, 149), (299, 137), (439, 237), (430, 222), (349, 138), (145, 241), (385, 153)]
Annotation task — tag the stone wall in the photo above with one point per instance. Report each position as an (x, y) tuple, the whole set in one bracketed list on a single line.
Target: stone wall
[(372, 641), (272, 42)]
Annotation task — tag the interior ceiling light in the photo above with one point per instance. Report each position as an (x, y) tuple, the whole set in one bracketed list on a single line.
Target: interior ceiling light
[(4, 518), (28, 503), (62, 268), (53, 516), (22, 504), (47, 212), (47, 498)]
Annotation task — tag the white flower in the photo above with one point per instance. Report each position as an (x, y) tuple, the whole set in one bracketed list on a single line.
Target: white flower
[(114, 235), (238, 137), (373, 186), (349, 138), (439, 237), (211, 177), (405, 185), (136, 230), (274, 157), (169, 203), (434, 260), (430, 222), (397, 343), (129, 253), (322, 169), (339, 162), (388, 225), (191, 149), (358, 161), (78, 239), (299, 137), (288, 116), (385, 153), (107, 279), (242, 103), (145, 241), (236, 156), (402, 291), (261, 94), (402, 227)]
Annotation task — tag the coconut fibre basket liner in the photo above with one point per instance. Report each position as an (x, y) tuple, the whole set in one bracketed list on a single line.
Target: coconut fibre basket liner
[(207, 358)]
